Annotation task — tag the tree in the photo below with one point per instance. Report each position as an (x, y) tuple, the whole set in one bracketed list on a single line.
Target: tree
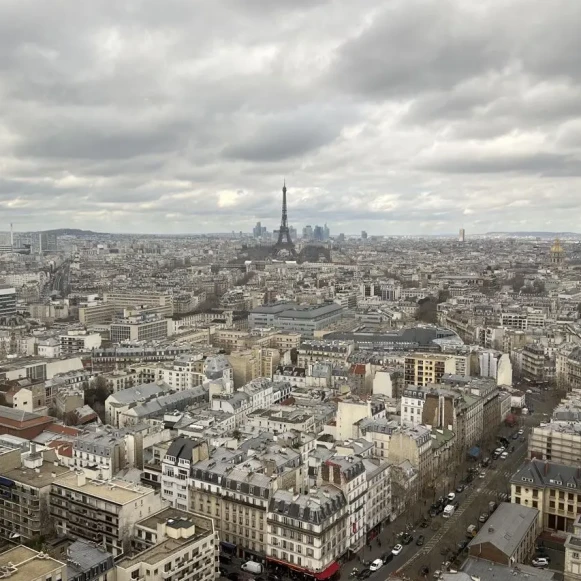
[(71, 418), (427, 310), (517, 282)]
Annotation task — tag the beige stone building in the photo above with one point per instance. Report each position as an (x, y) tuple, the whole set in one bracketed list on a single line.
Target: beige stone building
[(172, 544), (553, 489)]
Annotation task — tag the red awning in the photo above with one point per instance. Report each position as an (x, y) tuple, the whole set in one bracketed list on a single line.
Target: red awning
[(328, 572)]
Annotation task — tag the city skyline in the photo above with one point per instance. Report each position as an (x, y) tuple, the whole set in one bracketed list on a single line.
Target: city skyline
[(114, 119)]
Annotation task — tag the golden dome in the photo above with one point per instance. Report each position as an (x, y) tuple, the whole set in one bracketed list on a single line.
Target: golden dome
[(557, 248)]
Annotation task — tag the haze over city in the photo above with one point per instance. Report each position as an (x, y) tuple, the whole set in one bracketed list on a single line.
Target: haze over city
[(408, 116)]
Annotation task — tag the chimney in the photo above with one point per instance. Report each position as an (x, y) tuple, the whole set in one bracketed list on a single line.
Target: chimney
[(81, 479), (546, 468)]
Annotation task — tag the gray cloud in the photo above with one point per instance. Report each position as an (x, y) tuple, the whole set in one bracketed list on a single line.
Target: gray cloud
[(411, 115)]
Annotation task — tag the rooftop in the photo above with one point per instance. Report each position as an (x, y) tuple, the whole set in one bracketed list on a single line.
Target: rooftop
[(27, 564), (116, 491), (507, 526)]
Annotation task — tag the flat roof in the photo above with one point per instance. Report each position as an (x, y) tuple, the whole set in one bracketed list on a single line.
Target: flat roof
[(116, 491), (27, 563), (30, 477)]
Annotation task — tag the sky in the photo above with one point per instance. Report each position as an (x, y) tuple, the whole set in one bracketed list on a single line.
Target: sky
[(395, 117)]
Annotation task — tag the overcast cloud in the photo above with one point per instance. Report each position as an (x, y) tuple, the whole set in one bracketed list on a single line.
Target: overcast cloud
[(397, 116)]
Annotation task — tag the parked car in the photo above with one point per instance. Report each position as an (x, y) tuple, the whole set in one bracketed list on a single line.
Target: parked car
[(420, 541), (406, 538), (482, 474), (521, 432), (425, 523), (376, 565), (397, 549), (462, 545), (434, 512), (504, 456), (483, 517), (451, 496), (541, 562), (515, 436), (387, 557), (469, 478), (460, 487), (486, 462), (364, 574)]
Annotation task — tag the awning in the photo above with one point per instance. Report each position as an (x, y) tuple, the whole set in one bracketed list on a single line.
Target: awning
[(289, 565), (227, 545), (328, 572)]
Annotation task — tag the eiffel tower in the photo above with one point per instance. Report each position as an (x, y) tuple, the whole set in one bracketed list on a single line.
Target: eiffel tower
[(284, 247)]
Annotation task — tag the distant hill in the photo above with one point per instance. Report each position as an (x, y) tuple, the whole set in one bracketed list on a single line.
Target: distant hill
[(537, 234), (71, 232)]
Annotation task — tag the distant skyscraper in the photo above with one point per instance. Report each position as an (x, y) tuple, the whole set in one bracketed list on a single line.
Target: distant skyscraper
[(326, 232), (48, 242), (363, 235), (318, 233), (308, 232), (462, 235), (257, 230)]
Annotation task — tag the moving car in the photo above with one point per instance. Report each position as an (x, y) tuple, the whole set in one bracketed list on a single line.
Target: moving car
[(541, 562), (397, 549), (521, 432), (483, 517), (376, 565), (482, 474), (515, 436), (420, 541)]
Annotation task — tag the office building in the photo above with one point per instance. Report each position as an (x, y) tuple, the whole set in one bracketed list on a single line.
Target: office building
[(142, 327), (462, 235), (7, 302)]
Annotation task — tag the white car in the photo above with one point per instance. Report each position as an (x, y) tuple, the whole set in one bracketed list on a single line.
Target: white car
[(504, 456), (376, 565), (397, 549), (482, 474), (451, 496), (521, 432), (541, 562)]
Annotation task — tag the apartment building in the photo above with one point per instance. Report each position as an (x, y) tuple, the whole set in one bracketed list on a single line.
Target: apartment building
[(568, 366), (378, 499), (412, 405), (517, 321), (312, 351), (121, 401), (308, 533), (423, 368), (558, 442), (171, 544), (236, 497), (348, 473), (281, 420), (536, 365), (553, 489), (75, 341), (104, 450), (177, 463), (414, 445), (100, 511), (257, 394), (24, 492)]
